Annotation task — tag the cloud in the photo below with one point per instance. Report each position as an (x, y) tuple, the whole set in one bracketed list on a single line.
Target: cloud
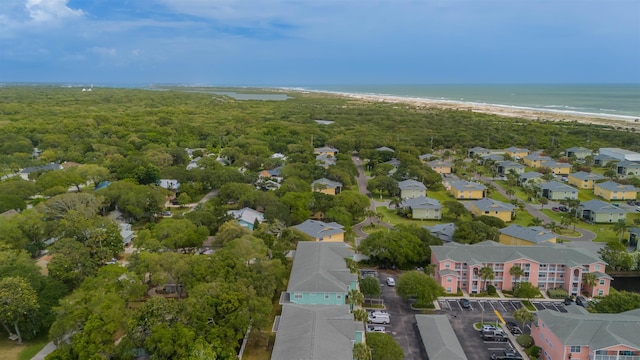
[(51, 10)]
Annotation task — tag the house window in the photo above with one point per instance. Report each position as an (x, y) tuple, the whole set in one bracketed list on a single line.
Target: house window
[(446, 265), (449, 289), (338, 296), (326, 296), (449, 279), (597, 267), (297, 296), (601, 281), (575, 349), (600, 292)]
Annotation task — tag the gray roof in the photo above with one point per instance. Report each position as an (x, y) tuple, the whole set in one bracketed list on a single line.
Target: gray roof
[(553, 163), (510, 164), (557, 186), (438, 338), (325, 149), (536, 234), (530, 175), (492, 252), (275, 171), (538, 157), (425, 156), (329, 184), (487, 204), (597, 331), (466, 185), (48, 167), (443, 231), (494, 157), (437, 163), (321, 267), (317, 229), (393, 162), (516, 149), (411, 185), (583, 175), (421, 202), (628, 164), (247, 215), (599, 206), (315, 332), (614, 186), (578, 149), (326, 159), (384, 148)]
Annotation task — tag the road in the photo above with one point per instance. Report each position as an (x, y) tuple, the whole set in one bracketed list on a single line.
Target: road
[(362, 187)]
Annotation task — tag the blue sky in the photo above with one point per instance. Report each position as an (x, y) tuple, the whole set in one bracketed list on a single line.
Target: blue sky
[(316, 42)]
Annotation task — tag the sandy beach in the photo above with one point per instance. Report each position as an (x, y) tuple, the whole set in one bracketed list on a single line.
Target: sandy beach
[(621, 122)]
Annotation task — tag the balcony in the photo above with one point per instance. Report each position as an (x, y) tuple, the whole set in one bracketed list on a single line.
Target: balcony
[(614, 357)]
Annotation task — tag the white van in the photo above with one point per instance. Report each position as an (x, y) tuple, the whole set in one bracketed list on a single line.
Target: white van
[(379, 318)]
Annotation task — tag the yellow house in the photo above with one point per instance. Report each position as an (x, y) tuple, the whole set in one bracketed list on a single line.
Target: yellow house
[(526, 236), (321, 231), (610, 190), (490, 207), (558, 168), (326, 186), (325, 150), (467, 190), (535, 161), (441, 167), (516, 152), (583, 179)]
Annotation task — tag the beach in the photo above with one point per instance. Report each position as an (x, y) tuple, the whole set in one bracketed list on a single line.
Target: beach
[(617, 121)]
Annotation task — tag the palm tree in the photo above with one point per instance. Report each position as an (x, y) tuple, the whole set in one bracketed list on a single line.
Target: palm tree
[(589, 279), (355, 298), (510, 192), (486, 273), (543, 201), (535, 222), (395, 202), (516, 272), (523, 315), (620, 227)]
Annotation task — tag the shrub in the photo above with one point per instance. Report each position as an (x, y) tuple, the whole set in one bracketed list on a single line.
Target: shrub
[(533, 352), (491, 290), (558, 293), (524, 340)]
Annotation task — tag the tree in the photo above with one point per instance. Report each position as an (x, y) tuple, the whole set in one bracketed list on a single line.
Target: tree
[(370, 287), (418, 284), (620, 227), (523, 315), (526, 290), (510, 192), (17, 301), (361, 351), (384, 347), (456, 209), (394, 248), (535, 222), (516, 272), (471, 232), (615, 254), (355, 299), (617, 302), (180, 234), (486, 273), (589, 280), (543, 201), (71, 263)]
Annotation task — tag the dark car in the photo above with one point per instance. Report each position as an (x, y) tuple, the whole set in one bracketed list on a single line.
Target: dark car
[(568, 301), (506, 354), (563, 208), (581, 301), (465, 303), (514, 328), (556, 209)]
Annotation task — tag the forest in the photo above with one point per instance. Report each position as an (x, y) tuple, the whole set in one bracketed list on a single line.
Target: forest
[(111, 147)]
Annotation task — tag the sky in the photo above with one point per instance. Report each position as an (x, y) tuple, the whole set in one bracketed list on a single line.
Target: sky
[(320, 42)]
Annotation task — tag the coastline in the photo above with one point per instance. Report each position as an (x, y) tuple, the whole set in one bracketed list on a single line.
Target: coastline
[(556, 115)]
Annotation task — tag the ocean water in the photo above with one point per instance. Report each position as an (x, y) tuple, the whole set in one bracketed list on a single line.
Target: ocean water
[(613, 99)]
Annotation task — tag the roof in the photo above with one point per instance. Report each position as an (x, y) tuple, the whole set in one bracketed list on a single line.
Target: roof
[(538, 157), (438, 338), (394, 162), (327, 159), (421, 202), (277, 171), (516, 149), (325, 149), (600, 275), (492, 252), (316, 332), (438, 163), (599, 206), (247, 215), (598, 331), (411, 185), (494, 157), (318, 229), (583, 175), (48, 167), (443, 231), (170, 184), (384, 148), (329, 184), (509, 163), (466, 185), (9, 213), (530, 175), (628, 164), (535, 234), (557, 186), (579, 149), (555, 164), (321, 267), (614, 186), (487, 204)]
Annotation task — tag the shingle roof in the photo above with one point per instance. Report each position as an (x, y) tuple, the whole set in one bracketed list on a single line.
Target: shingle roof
[(316, 332), (411, 185), (325, 149), (557, 186), (443, 231), (329, 184), (438, 163), (421, 202), (487, 204), (466, 185), (599, 206), (321, 267), (492, 252), (48, 167), (438, 338), (538, 157), (384, 148), (614, 186), (509, 163), (516, 149), (578, 149), (317, 229), (530, 175), (583, 175), (247, 215), (536, 234), (598, 331), (628, 164)]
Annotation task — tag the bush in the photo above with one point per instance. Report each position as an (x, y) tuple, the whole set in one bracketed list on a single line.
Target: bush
[(491, 290), (558, 293), (524, 340), (533, 352)]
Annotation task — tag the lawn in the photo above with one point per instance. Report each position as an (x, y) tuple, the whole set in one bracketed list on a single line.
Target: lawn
[(390, 216), (9, 350), (604, 232)]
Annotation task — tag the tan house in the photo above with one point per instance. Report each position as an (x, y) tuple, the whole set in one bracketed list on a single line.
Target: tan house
[(535, 160), (441, 167), (610, 190), (525, 236), (516, 152), (325, 150), (557, 168), (467, 190), (490, 207), (326, 186), (583, 179)]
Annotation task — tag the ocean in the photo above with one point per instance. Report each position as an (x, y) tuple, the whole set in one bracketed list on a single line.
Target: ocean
[(620, 100)]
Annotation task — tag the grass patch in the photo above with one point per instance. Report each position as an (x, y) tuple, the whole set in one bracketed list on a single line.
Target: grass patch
[(604, 232), (10, 350), (527, 304), (33, 348), (391, 217)]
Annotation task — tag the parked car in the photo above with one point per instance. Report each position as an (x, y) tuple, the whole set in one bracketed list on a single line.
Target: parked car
[(391, 281), (638, 207), (486, 327), (556, 209), (378, 318), (514, 328), (494, 335), (506, 354), (581, 301), (465, 303), (379, 329), (563, 208), (568, 301)]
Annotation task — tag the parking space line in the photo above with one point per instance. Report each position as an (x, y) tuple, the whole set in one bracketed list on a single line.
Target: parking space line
[(504, 308)]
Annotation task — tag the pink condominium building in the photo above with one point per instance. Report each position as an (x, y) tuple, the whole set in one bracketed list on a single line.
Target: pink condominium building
[(581, 335), (547, 266)]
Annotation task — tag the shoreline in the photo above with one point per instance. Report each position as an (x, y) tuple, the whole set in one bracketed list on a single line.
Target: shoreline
[(623, 121)]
